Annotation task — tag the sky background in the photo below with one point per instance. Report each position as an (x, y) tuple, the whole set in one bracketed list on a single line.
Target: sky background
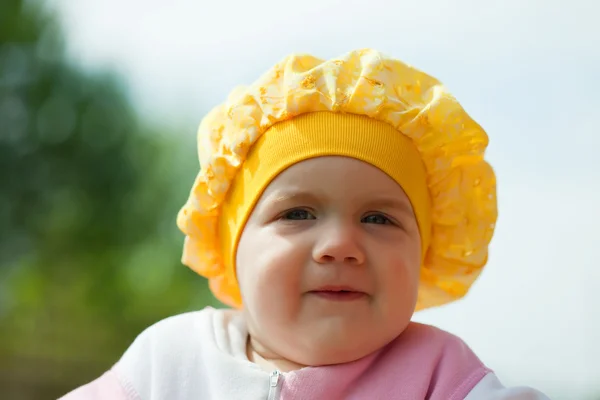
[(528, 72)]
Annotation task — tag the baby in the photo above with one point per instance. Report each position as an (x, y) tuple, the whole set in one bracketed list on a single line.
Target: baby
[(335, 199)]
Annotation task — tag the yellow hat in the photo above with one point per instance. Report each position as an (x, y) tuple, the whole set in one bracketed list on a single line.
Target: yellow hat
[(362, 105)]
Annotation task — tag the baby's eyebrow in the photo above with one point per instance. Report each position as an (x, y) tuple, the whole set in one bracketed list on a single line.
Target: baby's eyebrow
[(391, 203), (292, 197)]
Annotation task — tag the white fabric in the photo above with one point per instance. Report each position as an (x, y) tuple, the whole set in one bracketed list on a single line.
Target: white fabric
[(490, 388), (189, 357)]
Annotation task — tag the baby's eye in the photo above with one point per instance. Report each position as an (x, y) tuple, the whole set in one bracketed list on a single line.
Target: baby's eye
[(297, 215), (376, 219)]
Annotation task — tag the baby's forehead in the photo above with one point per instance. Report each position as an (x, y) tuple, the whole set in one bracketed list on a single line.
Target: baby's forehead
[(348, 194)]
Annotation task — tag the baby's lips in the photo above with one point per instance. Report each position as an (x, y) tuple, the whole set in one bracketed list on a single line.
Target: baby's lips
[(338, 289)]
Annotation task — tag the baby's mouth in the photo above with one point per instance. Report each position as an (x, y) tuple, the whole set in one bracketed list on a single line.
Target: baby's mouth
[(333, 293)]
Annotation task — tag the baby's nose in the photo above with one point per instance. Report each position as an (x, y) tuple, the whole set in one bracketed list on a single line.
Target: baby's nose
[(327, 258), (339, 247)]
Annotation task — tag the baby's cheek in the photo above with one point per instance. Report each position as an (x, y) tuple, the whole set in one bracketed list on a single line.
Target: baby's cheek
[(409, 262), (269, 289), (400, 282)]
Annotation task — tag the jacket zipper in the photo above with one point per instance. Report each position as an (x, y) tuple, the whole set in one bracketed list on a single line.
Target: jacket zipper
[(274, 384)]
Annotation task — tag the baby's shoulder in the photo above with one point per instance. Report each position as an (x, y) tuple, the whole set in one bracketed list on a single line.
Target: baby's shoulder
[(447, 367), (434, 359), (176, 339), (167, 352)]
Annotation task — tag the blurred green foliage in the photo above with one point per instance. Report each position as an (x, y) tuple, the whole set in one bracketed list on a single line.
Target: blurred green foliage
[(89, 250)]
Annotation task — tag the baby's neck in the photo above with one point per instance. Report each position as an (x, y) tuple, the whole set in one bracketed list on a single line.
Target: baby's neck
[(267, 360)]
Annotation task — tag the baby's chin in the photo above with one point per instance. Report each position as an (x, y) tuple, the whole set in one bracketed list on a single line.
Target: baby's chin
[(327, 355), (319, 336), (338, 349)]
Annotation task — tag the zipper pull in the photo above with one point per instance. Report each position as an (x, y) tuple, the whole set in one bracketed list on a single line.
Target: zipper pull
[(275, 378)]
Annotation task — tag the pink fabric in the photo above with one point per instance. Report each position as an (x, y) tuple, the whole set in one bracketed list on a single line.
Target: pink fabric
[(423, 363), (106, 387)]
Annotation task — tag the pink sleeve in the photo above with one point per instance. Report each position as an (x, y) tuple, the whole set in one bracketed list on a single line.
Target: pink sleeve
[(107, 387)]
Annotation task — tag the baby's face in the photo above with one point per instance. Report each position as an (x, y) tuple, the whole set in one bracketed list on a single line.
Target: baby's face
[(328, 262)]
